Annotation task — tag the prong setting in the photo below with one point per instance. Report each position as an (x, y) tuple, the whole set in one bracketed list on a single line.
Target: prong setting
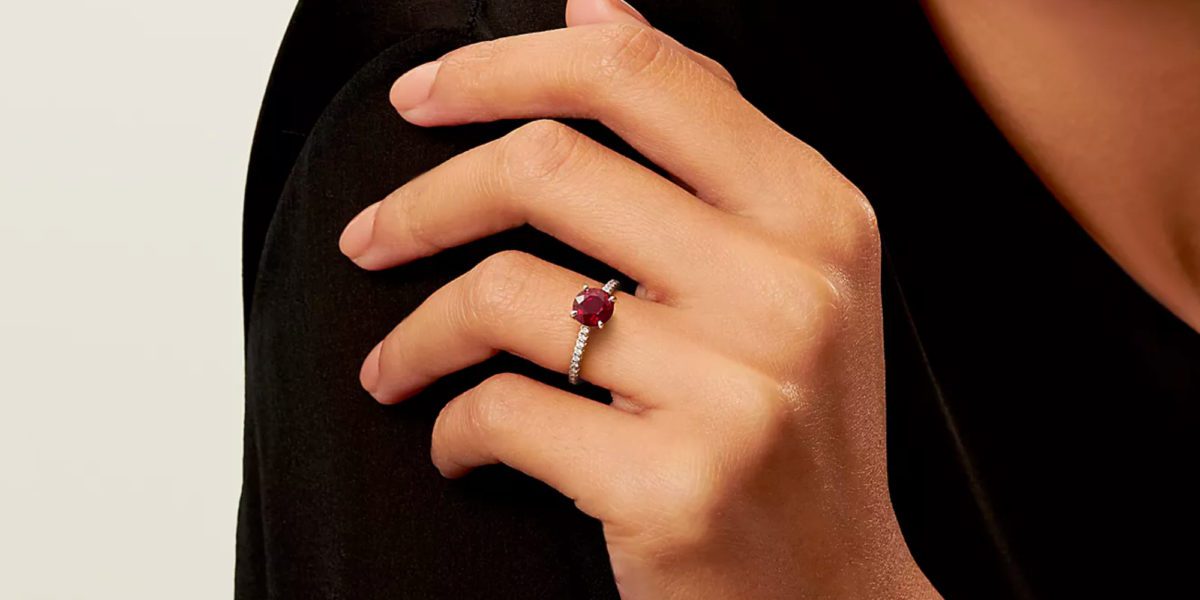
[(592, 309)]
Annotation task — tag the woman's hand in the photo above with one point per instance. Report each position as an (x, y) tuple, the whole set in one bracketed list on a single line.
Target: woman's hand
[(743, 454)]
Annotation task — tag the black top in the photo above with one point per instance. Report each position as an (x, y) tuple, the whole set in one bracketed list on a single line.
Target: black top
[(1042, 407)]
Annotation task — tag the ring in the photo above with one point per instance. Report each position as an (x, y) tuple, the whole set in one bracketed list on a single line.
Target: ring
[(592, 308)]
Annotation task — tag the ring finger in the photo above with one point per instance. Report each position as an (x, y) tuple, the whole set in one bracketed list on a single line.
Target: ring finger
[(517, 303)]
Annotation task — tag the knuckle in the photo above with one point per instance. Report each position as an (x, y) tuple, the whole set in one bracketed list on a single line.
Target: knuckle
[(823, 309), (808, 308), (867, 219), (716, 68), (724, 74), (858, 237), (763, 413), (446, 422), (685, 508), (767, 424), (692, 498), (494, 403), (702, 480), (801, 298), (626, 50), (501, 385), (537, 151), (484, 50), (757, 415), (406, 211), (391, 352), (467, 65), (495, 284), (850, 227)]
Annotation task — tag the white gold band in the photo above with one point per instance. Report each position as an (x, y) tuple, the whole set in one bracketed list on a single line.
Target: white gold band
[(582, 339)]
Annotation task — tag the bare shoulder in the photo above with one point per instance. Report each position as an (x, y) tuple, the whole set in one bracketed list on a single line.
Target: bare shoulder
[(1103, 100)]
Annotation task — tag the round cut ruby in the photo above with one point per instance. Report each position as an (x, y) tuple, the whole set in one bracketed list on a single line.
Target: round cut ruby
[(592, 307)]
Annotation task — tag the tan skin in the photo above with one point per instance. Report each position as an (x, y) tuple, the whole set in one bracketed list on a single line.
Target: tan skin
[(743, 454), (1103, 100)]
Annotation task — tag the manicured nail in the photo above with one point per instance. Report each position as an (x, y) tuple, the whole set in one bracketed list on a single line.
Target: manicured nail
[(357, 236), (628, 8), (368, 376), (413, 87)]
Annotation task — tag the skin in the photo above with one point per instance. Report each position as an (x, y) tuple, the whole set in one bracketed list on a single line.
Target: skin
[(1102, 99), (743, 455)]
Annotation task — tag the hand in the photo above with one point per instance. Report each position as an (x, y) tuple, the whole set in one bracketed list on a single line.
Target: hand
[(743, 454)]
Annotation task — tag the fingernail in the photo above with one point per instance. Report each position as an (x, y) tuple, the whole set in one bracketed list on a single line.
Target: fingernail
[(628, 8), (413, 87), (368, 376), (357, 237)]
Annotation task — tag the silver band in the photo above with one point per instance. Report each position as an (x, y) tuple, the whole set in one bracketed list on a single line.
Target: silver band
[(582, 339)]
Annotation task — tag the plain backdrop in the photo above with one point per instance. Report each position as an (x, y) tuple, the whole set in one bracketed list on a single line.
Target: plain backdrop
[(125, 128)]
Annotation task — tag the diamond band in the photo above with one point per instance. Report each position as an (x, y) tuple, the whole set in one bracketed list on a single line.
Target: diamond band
[(592, 308)]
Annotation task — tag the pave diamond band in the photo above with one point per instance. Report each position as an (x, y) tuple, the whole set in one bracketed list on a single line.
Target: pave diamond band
[(592, 308)]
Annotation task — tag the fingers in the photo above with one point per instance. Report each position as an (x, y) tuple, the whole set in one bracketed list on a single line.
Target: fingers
[(517, 303), (672, 110), (578, 446), (588, 12), (561, 182), (593, 12)]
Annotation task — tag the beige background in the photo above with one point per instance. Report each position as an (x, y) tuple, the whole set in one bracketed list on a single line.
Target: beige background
[(125, 128)]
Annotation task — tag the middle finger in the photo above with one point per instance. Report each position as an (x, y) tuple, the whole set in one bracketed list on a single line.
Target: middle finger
[(672, 110), (561, 182)]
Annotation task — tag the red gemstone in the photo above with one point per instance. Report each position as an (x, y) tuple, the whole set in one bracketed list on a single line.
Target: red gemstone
[(593, 307)]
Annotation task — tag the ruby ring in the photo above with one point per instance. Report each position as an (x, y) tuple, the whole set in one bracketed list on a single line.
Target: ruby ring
[(592, 308)]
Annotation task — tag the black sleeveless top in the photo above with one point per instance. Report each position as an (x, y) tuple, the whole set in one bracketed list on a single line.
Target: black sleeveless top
[(1041, 406)]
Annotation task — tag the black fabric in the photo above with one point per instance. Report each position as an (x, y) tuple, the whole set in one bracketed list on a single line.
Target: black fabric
[(1042, 407)]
